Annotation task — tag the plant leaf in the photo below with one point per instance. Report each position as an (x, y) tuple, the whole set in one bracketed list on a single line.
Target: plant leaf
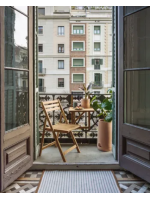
[(106, 104), (96, 106), (108, 117)]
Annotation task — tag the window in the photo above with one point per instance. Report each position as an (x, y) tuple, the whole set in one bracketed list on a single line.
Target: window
[(96, 46), (78, 78), (40, 29), (41, 11), (60, 64), (60, 82), (40, 66), (98, 79), (60, 48), (61, 30), (78, 46), (40, 47), (78, 29), (78, 62), (97, 30)]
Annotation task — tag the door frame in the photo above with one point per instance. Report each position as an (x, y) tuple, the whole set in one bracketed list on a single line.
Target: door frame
[(21, 133), (128, 130)]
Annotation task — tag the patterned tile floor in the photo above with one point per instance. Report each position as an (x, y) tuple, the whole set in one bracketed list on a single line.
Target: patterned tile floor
[(130, 183), (29, 181)]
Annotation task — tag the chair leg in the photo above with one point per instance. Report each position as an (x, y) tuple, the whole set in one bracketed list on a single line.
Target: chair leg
[(75, 142), (42, 141), (57, 138), (59, 147)]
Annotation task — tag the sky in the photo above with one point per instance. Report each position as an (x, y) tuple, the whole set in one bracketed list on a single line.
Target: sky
[(21, 27)]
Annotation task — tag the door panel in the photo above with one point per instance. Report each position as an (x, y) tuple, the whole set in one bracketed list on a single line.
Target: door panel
[(134, 90), (16, 92)]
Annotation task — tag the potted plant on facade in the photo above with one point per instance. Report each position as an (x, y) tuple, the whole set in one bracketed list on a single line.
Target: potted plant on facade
[(85, 103), (104, 108)]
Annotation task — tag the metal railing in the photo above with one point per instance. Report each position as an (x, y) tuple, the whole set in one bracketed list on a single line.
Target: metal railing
[(84, 135), (42, 89), (42, 71), (97, 85)]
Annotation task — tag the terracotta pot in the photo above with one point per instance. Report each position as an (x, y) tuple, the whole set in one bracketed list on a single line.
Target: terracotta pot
[(85, 103), (104, 139)]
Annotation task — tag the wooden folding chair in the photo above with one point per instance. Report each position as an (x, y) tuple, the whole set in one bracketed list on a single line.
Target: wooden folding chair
[(49, 106)]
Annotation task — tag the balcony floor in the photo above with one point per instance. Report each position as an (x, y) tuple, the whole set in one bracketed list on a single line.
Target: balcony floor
[(89, 154)]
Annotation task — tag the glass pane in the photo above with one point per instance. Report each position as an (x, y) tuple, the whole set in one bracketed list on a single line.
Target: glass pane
[(78, 45), (77, 77), (77, 62), (137, 98), (23, 9), (41, 11), (16, 40), (137, 40), (130, 9), (16, 99)]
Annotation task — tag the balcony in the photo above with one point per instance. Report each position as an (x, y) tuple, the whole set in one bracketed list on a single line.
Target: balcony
[(42, 71), (42, 89), (91, 8), (97, 85), (84, 136)]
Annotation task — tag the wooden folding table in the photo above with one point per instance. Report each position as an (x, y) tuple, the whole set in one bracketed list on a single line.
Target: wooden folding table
[(81, 112)]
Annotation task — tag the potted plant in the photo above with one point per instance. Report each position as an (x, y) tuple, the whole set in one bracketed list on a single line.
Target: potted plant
[(85, 103), (104, 108)]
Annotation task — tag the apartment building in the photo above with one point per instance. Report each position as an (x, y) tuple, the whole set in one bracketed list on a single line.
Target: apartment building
[(95, 32), (75, 48), (53, 41)]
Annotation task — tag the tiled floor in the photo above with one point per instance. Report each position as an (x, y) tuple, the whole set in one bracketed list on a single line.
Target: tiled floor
[(27, 183), (130, 183), (127, 182)]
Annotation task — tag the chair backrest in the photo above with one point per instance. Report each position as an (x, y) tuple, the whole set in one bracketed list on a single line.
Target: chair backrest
[(49, 106)]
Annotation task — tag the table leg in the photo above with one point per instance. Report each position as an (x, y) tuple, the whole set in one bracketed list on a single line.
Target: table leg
[(89, 119)]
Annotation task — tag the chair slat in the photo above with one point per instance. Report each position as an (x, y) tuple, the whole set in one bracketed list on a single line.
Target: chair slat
[(52, 105), (48, 102), (51, 109)]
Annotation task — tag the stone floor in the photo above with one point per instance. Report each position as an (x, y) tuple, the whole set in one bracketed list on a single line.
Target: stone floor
[(89, 154), (127, 182)]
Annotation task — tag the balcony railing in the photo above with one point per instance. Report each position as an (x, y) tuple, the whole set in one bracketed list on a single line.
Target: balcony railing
[(91, 8), (42, 89), (42, 71), (85, 135), (77, 31), (97, 85)]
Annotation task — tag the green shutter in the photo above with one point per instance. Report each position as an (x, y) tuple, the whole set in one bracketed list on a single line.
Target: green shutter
[(101, 61), (93, 61), (77, 27)]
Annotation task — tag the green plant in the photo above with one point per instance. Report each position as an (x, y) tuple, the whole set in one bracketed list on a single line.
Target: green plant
[(86, 90), (104, 106)]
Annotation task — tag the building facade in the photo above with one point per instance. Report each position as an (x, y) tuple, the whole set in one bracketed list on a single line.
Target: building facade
[(75, 48), (53, 39)]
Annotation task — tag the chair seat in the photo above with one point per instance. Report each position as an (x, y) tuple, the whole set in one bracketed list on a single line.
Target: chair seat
[(64, 127)]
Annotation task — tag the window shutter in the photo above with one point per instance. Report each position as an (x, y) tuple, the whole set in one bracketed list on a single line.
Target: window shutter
[(93, 61), (101, 61)]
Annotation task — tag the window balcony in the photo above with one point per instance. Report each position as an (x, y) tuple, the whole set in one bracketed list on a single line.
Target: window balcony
[(78, 32), (42, 89), (98, 85), (42, 71)]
